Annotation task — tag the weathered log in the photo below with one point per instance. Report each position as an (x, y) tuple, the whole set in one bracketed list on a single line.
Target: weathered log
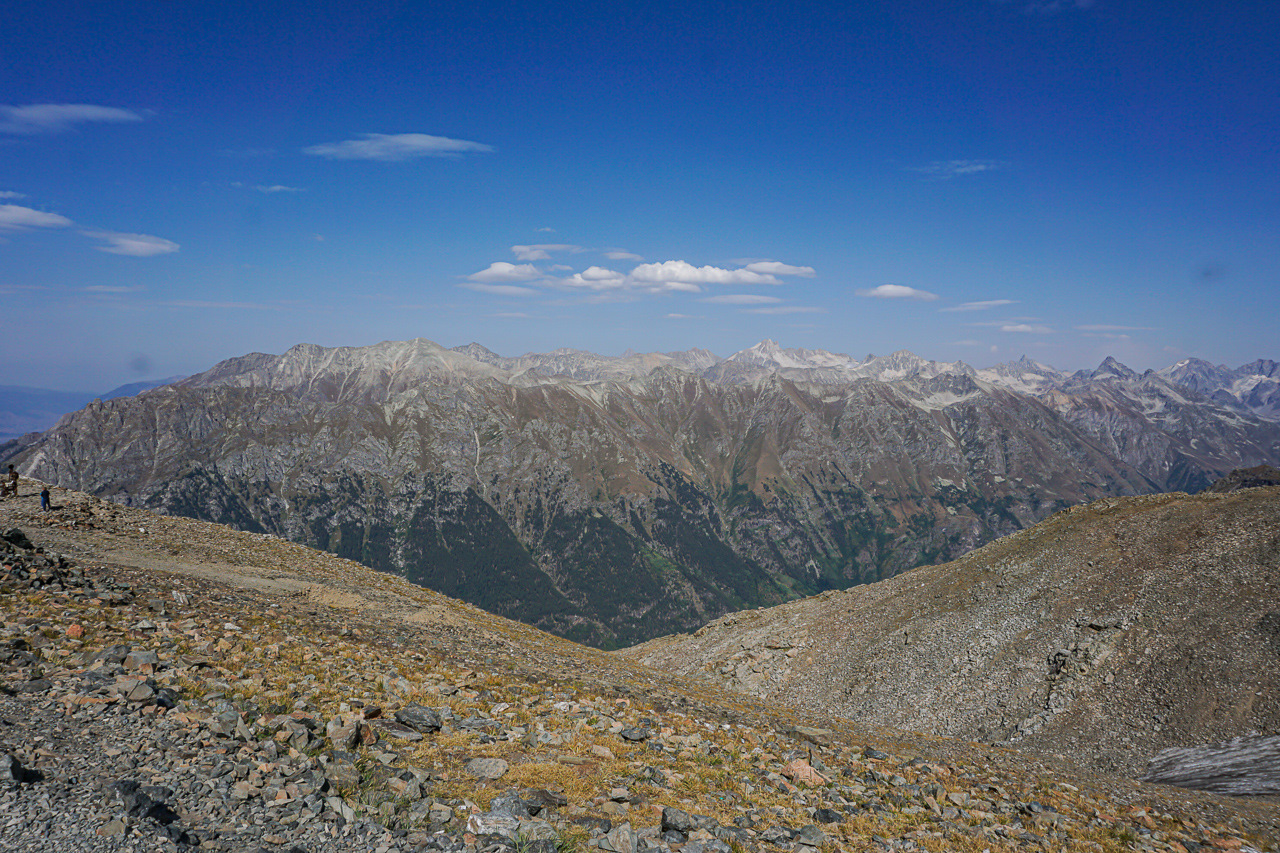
[(1243, 766)]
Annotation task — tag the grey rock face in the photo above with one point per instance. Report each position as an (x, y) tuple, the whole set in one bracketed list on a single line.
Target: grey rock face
[(1246, 766)]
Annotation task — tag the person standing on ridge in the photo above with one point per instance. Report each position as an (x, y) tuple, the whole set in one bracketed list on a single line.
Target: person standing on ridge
[(44, 499), (13, 481)]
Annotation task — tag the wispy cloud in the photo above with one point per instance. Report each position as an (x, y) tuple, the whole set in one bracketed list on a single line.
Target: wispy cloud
[(981, 306), (741, 299), (226, 306), (1106, 328), (1053, 7), (779, 268), (945, 169), (1026, 329), (395, 147), (897, 291), (681, 317), (56, 118), (500, 289), (788, 309), (247, 153), (500, 271), (621, 255), (542, 251), (18, 218), (11, 194), (512, 315), (108, 288), (1005, 322), (134, 245), (545, 230), (277, 188)]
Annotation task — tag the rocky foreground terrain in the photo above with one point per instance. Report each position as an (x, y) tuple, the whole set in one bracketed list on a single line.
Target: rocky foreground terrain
[(171, 684)]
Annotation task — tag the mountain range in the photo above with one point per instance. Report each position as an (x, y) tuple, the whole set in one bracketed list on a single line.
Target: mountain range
[(616, 499), (24, 410)]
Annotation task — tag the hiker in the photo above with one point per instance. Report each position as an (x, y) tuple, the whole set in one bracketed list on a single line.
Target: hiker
[(44, 499), (13, 481)]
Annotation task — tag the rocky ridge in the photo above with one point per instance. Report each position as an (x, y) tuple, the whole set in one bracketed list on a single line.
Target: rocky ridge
[(1110, 632), (209, 689)]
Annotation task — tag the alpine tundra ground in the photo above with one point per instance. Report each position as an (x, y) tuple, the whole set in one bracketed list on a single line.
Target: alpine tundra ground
[(173, 684)]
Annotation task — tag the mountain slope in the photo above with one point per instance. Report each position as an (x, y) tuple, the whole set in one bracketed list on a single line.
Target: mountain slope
[(607, 511), (171, 684), (1109, 632), (657, 493)]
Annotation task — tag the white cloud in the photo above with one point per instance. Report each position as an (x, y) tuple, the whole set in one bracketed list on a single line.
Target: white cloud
[(55, 118), (17, 217), (541, 251), (1026, 328), (107, 288), (512, 315), (394, 147), (788, 309), (11, 194), (741, 299), (682, 272), (620, 255), (982, 305), (897, 291), (596, 278), (278, 188), (503, 271), (1106, 328), (681, 317), (545, 230), (945, 169), (135, 245), (501, 289), (778, 268)]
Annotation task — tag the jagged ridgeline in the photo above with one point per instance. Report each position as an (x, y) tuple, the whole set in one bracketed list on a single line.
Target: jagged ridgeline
[(612, 500)]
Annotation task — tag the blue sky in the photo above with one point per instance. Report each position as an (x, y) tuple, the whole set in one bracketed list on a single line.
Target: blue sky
[(974, 179)]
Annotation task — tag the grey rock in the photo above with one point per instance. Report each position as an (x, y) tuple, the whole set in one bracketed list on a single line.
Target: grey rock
[(620, 839), (676, 819), (487, 768), (1245, 766), (419, 718), (811, 835)]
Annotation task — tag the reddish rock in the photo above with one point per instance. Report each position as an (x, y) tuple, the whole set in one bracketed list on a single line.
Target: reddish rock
[(801, 772)]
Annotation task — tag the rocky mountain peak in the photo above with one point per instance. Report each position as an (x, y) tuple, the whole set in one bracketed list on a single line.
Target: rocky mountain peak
[(1111, 368), (479, 352)]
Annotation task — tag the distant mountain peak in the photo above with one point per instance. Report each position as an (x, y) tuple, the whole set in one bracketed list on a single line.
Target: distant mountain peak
[(1111, 367)]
